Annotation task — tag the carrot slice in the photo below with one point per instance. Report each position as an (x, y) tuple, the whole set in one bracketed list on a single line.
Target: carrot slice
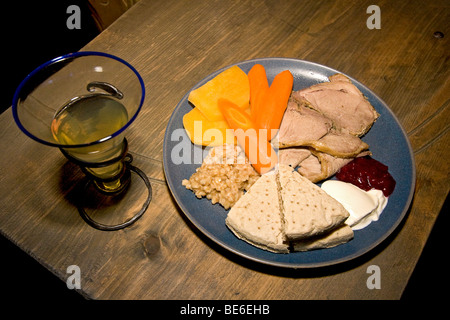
[(236, 117), (274, 103), (258, 150), (258, 83)]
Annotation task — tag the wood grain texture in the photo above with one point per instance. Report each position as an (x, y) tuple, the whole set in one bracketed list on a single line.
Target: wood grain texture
[(174, 44)]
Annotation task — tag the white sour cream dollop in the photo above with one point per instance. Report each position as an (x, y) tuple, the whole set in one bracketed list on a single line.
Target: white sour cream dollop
[(363, 206)]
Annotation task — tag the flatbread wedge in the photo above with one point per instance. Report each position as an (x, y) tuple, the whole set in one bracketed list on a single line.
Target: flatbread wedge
[(308, 211), (284, 212), (335, 237), (256, 216)]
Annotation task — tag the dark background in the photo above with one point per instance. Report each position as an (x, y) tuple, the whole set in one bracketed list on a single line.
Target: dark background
[(36, 32)]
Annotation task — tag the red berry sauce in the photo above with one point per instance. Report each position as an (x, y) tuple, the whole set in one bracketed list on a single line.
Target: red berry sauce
[(367, 173)]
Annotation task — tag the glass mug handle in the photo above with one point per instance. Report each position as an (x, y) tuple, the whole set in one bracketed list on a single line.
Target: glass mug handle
[(109, 88)]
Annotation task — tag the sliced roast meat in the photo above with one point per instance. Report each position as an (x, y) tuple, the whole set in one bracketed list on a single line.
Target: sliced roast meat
[(304, 127), (320, 166), (293, 156), (301, 126), (311, 169), (330, 165), (321, 128), (342, 102), (340, 144), (337, 82)]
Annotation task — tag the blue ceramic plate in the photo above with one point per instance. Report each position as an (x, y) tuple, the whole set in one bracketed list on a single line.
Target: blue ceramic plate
[(387, 141)]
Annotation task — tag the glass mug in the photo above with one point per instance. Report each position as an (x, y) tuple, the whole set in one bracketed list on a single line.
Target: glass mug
[(83, 103)]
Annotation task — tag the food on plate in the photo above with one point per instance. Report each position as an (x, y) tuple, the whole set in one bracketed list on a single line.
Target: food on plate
[(340, 145), (258, 83), (272, 198), (223, 176), (342, 102), (204, 132), (307, 209), (302, 125), (256, 217), (258, 150), (284, 211), (333, 238), (315, 165), (231, 84), (267, 105), (235, 117), (363, 206), (327, 120), (367, 173), (273, 103)]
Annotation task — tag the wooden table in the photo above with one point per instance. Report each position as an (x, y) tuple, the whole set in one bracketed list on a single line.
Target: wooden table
[(174, 44)]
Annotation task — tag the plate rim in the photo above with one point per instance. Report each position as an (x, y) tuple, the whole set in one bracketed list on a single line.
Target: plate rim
[(224, 245)]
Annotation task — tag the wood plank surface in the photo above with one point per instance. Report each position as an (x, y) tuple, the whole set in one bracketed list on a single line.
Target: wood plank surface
[(174, 44)]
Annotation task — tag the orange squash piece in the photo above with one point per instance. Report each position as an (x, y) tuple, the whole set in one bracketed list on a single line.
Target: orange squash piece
[(231, 84), (203, 132)]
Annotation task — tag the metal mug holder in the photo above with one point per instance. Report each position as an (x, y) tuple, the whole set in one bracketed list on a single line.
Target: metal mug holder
[(103, 88), (127, 158)]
